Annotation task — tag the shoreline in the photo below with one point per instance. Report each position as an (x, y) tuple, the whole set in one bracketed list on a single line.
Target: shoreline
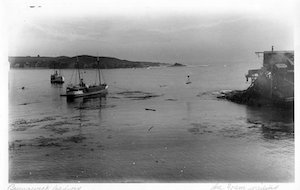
[(251, 97)]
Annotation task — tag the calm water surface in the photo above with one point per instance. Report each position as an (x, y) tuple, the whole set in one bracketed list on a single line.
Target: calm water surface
[(189, 136)]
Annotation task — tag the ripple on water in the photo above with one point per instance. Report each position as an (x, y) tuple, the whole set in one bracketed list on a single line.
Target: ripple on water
[(274, 130), (137, 95), (42, 141), (22, 124), (200, 128)]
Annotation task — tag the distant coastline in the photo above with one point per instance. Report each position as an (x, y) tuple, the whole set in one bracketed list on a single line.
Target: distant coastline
[(85, 61), (177, 65)]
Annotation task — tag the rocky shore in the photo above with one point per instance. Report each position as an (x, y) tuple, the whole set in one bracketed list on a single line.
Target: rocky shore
[(251, 97), (248, 96)]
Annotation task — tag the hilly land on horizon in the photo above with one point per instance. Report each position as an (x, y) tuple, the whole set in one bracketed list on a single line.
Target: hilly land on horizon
[(85, 61)]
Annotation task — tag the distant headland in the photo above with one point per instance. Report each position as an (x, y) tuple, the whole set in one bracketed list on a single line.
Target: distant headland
[(85, 61), (177, 65)]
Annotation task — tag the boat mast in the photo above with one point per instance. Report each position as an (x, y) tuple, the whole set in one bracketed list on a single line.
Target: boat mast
[(53, 67), (98, 65), (78, 70), (59, 69)]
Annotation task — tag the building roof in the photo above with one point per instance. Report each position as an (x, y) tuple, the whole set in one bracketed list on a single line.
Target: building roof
[(290, 51)]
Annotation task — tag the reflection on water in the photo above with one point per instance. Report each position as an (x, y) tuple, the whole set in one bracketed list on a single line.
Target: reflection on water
[(57, 85), (188, 109), (274, 123), (270, 114), (89, 102)]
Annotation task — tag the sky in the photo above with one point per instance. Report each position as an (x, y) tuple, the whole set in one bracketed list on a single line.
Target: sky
[(192, 32)]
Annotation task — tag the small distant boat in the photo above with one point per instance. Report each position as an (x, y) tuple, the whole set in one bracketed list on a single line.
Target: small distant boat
[(84, 90), (188, 80), (57, 78)]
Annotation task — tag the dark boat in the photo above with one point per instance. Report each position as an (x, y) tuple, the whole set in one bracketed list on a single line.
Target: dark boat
[(84, 90), (57, 78)]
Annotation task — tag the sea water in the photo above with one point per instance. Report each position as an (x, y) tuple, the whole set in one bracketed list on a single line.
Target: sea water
[(151, 127)]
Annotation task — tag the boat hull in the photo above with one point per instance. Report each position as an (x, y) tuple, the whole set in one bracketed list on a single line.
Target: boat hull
[(87, 92), (57, 79)]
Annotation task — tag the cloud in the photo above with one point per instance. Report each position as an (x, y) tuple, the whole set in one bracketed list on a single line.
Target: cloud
[(155, 37)]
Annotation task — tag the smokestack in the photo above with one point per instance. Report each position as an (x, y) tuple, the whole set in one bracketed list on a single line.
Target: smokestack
[(272, 48)]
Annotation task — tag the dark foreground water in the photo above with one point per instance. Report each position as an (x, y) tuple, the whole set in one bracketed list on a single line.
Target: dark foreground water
[(151, 127)]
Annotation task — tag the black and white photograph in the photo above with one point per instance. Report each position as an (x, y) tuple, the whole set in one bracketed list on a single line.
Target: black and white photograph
[(149, 92)]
